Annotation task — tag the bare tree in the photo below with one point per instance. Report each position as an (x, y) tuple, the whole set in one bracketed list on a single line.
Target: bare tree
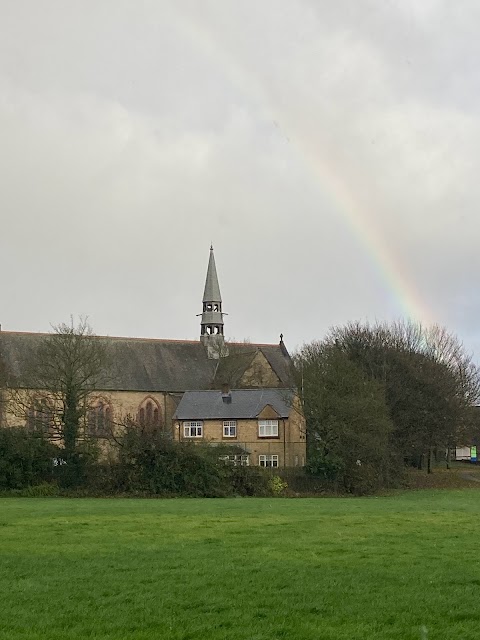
[(448, 350), (60, 383)]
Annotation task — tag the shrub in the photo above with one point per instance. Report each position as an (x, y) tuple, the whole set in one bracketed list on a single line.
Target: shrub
[(328, 467), (151, 462), (43, 490), (277, 485), (248, 481), (26, 459)]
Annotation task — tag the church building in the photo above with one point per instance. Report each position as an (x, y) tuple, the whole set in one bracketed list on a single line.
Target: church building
[(236, 396)]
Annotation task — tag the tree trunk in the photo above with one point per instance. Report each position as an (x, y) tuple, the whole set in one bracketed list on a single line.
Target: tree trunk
[(420, 461), (70, 426)]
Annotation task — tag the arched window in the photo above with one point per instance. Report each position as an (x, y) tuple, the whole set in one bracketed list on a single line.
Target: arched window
[(149, 414), (39, 418), (99, 419), (31, 419)]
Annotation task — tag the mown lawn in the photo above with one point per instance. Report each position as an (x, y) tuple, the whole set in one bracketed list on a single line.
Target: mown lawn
[(401, 567)]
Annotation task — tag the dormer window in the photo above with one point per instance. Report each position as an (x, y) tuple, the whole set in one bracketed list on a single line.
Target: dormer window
[(268, 428)]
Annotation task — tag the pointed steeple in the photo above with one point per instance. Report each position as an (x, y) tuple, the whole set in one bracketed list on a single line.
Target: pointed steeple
[(212, 316), (212, 288)]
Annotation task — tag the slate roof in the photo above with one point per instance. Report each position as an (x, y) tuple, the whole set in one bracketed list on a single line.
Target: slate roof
[(280, 361), (144, 364), (245, 404)]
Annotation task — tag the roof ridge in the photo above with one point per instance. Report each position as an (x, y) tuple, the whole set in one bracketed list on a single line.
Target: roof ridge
[(95, 335), (259, 389), (25, 333), (253, 344), (151, 339), (144, 338)]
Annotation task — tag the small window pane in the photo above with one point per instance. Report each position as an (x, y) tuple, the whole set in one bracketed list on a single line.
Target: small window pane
[(268, 428), (268, 460), (229, 428), (193, 429)]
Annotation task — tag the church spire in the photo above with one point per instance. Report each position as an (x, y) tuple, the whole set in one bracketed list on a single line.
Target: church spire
[(212, 316), (212, 288)]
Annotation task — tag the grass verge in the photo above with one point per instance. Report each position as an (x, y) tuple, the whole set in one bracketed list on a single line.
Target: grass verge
[(341, 568)]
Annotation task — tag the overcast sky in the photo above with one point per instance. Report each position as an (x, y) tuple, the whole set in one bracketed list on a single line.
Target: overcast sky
[(329, 150)]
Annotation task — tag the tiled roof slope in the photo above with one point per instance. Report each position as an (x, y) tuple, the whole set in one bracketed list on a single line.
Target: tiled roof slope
[(143, 364), (280, 361), (244, 404)]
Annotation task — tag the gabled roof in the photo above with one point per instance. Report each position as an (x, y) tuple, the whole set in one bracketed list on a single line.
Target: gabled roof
[(244, 404), (241, 357), (279, 359), (146, 364)]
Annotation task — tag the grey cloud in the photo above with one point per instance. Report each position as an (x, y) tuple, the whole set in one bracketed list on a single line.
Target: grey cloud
[(133, 134)]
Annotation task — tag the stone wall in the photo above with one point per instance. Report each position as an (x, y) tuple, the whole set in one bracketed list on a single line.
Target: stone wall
[(289, 445)]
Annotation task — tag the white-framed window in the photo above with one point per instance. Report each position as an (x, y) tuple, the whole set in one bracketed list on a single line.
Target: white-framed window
[(238, 460), (268, 460), (267, 428), (193, 429), (229, 428)]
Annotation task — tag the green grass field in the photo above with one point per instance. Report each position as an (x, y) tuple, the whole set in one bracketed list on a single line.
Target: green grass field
[(333, 568)]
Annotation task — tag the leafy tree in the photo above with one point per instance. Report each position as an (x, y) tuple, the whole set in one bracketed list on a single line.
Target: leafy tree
[(348, 425), (430, 381), (374, 395)]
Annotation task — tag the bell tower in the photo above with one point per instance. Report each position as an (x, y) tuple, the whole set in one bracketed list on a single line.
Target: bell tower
[(211, 327)]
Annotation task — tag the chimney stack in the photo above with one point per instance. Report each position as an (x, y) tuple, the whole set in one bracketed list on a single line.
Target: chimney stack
[(226, 395)]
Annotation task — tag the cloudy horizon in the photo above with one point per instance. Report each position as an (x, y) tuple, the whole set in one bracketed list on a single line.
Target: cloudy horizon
[(328, 150)]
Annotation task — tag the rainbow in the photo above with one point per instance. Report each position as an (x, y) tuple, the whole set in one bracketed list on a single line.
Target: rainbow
[(386, 264)]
